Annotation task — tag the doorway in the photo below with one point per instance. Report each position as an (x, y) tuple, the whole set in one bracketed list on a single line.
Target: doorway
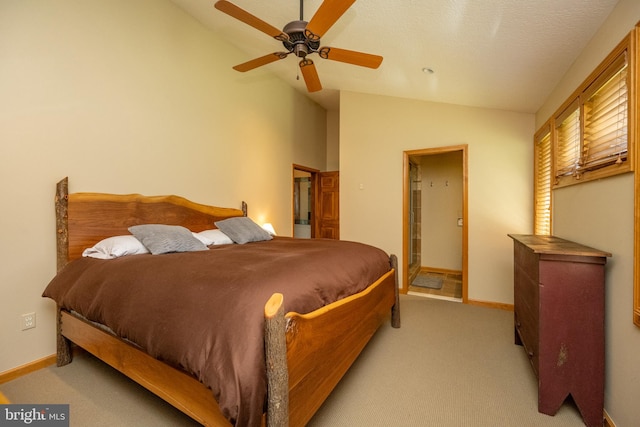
[(304, 201), (316, 203), (435, 229)]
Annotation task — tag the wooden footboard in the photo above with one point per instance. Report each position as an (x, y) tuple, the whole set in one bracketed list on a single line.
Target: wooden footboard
[(322, 345), (172, 385)]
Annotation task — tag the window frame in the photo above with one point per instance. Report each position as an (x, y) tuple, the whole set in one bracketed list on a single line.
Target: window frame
[(636, 184), (623, 53)]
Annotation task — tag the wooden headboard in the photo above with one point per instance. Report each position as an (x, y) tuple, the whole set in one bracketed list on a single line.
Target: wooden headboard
[(83, 219)]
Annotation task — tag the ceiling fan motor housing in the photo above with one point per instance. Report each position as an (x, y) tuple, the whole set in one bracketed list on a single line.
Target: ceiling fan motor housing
[(302, 38), (299, 44)]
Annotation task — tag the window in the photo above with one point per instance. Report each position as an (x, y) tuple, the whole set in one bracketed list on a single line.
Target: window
[(588, 137), (605, 110), (542, 181), (591, 129), (568, 142)]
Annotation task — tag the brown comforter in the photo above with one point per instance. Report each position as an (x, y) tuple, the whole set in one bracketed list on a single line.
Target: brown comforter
[(203, 311)]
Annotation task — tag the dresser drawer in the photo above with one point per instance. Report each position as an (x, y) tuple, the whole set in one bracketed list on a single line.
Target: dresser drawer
[(527, 262), (526, 290), (526, 302), (527, 328)]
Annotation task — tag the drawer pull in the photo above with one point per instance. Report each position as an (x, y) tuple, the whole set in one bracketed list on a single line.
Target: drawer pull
[(530, 354)]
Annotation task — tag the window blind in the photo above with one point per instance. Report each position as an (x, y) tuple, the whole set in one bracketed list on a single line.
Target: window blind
[(542, 184), (605, 131), (568, 141)]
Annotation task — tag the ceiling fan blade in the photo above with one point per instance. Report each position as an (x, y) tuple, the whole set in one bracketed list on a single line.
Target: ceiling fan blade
[(259, 62), (350, 57), (244, 16), (326, 15), (310, 75)]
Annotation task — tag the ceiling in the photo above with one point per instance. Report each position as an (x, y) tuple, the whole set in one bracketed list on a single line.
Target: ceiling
[(502, 54)]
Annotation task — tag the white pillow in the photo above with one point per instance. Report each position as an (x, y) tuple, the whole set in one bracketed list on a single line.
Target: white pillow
[(213, 237), (114, 247)]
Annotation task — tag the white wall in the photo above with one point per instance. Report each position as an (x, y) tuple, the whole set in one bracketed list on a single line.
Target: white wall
[(129, 96), (600, 214), (374, 133)]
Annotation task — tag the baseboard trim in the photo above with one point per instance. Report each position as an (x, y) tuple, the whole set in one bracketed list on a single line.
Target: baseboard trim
[(489, 304), (608, 422), (424, 269), (36, 365)]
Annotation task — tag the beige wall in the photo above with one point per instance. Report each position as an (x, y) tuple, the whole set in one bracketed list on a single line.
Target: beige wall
[(333, 140), (374, 133), (600, 214), (442, 186), (129, 96)]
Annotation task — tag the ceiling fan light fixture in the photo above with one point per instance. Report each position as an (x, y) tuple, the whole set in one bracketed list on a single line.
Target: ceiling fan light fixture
[(300, 50)]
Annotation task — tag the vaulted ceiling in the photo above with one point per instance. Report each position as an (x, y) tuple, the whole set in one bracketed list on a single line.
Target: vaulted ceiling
[(503, 54)]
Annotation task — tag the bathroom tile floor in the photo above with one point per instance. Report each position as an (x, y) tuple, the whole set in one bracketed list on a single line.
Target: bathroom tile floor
[(451, 286)]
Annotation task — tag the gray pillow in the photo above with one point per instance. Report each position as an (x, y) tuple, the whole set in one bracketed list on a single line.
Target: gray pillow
[(242, 230), (161, 239)]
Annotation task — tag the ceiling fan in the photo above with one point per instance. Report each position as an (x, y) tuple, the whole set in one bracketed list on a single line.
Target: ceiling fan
[(303, 38)]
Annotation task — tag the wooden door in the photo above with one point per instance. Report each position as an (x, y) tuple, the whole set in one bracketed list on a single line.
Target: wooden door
[(328, 206)]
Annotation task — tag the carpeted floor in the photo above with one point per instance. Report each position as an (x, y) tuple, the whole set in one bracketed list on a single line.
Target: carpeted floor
[(449, 365)]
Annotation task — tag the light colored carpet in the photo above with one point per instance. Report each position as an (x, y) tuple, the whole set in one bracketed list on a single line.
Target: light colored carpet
[(449, 365)]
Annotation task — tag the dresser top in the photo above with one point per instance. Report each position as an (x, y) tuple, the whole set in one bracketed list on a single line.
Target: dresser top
[(556, 246)]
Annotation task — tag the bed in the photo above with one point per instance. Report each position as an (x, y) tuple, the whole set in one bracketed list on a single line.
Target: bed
[(303, 353)]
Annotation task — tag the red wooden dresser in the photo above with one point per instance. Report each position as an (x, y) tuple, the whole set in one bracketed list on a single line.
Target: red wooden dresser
[(559, 319)]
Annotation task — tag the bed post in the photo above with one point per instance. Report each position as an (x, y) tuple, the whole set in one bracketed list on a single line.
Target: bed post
[(244, 208), (62, 226), (395, 310), (276, 359), (62, 249)]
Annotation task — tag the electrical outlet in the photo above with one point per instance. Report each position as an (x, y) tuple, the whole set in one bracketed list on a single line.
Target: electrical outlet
[(28, 321)]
